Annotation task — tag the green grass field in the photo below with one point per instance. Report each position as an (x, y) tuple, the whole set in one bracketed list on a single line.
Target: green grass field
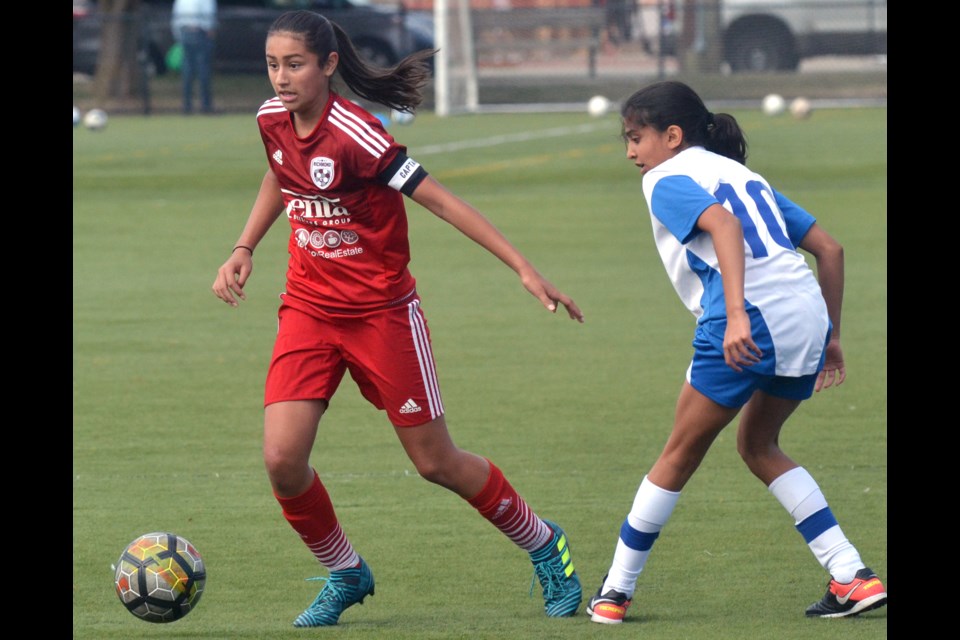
[(167, 389)]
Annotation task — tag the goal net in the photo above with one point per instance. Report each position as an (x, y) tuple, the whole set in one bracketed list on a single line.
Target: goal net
[(455, 71)]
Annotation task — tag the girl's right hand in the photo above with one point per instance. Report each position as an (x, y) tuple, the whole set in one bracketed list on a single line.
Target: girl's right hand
[(232, 275), (834, 370)]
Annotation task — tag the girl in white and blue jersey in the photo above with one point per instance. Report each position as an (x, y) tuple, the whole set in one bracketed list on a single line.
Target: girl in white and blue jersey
[(767, 335)]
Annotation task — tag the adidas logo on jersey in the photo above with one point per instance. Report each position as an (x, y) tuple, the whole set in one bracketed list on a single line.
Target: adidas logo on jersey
[(278, 156), (409, 407)]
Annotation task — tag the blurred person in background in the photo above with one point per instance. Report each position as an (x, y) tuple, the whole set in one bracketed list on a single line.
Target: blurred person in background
[(619, 21), (194, 25)]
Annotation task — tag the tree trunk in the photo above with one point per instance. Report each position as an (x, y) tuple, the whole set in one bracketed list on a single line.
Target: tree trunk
[(118, 76)]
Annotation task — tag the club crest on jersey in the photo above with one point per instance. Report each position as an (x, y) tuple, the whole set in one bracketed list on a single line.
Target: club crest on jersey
[(321, 171)]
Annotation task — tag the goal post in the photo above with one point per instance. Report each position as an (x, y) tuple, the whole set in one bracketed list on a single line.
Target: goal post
[(455, 70)]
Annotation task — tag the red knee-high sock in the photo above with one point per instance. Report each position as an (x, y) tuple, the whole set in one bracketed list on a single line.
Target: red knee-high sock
[(499, 503), (311, 515)]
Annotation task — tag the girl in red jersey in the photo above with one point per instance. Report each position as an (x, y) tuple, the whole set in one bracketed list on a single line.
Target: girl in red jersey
[(351, 302)]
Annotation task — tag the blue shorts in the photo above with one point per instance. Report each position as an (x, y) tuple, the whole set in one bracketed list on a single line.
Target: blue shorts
[(709, 374)]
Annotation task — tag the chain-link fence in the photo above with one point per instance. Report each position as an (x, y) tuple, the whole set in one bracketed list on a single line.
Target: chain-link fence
[(737, 49)]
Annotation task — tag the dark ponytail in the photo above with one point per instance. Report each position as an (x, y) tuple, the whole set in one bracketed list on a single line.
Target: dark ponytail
[(726, 138), (398, 87), (669, 102)]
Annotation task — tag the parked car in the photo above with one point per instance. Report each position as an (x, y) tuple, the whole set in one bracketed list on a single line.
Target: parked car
[(768, 35), (775, 35), (382, 33)]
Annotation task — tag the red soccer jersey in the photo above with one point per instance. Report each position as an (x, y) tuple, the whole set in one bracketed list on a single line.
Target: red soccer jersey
[(341, 193)]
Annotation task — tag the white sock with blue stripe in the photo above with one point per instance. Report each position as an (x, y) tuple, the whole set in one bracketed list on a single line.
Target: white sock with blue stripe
[(651, 509), (800, 495)]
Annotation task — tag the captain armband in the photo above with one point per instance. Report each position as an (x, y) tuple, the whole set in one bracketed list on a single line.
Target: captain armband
[(403, 174)]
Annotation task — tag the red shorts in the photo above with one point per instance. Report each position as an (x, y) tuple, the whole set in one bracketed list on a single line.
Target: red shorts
[(387, 352)]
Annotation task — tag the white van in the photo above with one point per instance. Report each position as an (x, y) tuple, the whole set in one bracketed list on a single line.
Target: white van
[(774, 35)]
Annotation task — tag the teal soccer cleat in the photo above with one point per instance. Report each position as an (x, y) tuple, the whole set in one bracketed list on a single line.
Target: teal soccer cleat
[(553, 565), (344, 589)]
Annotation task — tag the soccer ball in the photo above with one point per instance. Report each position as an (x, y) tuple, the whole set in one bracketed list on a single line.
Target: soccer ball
[(160, 577), (95, 119), (800, 108), (598, 106), (401, 117), (774, 104)]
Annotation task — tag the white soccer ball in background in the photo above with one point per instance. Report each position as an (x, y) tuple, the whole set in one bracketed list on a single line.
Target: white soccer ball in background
[(401, 117), (95, 119), (598, 106), (774, 104), (800, 108), (76, 116)]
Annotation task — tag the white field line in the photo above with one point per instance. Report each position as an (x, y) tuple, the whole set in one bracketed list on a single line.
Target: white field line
[(492, 141)]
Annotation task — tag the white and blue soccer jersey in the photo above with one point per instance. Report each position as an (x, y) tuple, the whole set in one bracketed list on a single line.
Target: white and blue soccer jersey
[(787, 310)]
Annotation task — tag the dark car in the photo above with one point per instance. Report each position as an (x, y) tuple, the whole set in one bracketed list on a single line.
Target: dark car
[(383, 33)]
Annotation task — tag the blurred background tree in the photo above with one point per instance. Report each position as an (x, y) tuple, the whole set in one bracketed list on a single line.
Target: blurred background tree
[(119, 72)]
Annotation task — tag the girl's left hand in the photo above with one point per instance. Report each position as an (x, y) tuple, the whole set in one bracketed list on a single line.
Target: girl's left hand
[(549, 295), (739, 349)]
